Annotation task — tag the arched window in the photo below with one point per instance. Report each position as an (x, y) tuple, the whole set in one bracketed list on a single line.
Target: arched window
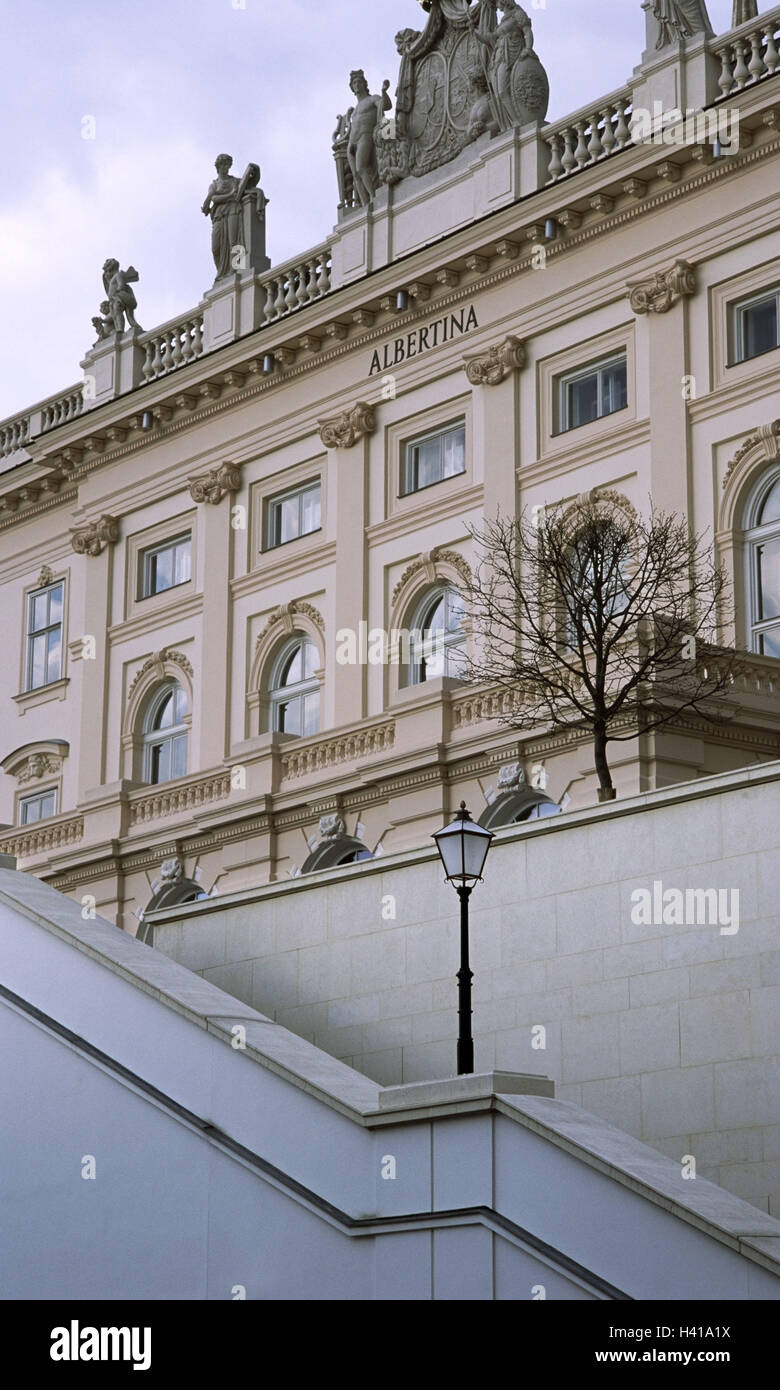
[(294, 691), (763, 546), (165, 734), (438, 638)]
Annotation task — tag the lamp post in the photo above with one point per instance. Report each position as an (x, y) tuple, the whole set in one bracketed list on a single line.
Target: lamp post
[(463, 848)]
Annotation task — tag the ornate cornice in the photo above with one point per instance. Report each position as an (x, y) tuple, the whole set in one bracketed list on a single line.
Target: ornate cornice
[(766, 437), (93, 538), (156, 665), (285, 615), (429, 562), (344, 430), (659, 292), (211, 487), (490, 367)]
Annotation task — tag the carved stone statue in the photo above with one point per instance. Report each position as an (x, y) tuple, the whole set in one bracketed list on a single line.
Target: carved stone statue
[(120, 300), (104, 326), (680, 19), (343, 172), (743, 11), (369, 110), (237, 211), (223, 206), (519, 84), (483, 116)]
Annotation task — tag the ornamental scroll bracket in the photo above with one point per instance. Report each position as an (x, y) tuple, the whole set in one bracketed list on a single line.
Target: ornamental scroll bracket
[(93, 538), (212, 486), (489, 368), (343, 431), (658, 293)]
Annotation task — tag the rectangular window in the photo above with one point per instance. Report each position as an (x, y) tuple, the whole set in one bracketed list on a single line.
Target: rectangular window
[(756, 326), (294, 514), (592, 393), (38, 807), (165, 566), (433, 458), (44, 636)]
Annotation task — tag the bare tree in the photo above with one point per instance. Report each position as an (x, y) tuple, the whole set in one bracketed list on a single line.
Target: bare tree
[(589, 616)]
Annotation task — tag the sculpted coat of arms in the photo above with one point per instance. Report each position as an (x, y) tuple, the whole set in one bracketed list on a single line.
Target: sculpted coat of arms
[(473, 69)]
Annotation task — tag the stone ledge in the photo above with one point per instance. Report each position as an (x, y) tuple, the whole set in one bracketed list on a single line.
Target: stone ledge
[(456, 1089)]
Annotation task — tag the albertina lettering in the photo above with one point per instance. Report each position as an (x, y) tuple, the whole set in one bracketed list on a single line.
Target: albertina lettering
[(421, 339)]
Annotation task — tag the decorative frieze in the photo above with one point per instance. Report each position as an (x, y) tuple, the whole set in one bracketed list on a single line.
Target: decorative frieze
[(156, 665), (284, 617), (176, 800), (429, 562), (344, 748), (767, 436), (34, 761), (659, 292), (211, 487), (45, 837), (344, 430), (38, 765), (491, 367), (93, 538)]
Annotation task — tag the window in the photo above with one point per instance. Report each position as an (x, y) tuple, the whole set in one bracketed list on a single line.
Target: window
[(763, 542), (434, 457), (165, 566), (294, 689), (591, 394), (438, 640), (165, 734), (756, 326), (38, 807), (44, 636), (294, 514)]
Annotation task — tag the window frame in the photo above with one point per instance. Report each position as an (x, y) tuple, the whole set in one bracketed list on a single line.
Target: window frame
[(25, 801), (439, 432), (278, 695), (426, 604), (737, 308), (276, 500), (755, 535), (31, 635), (145, 555), (152, 739), (593, 368)]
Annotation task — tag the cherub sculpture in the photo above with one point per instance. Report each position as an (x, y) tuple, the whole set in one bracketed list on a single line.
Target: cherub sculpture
[(119, 302)]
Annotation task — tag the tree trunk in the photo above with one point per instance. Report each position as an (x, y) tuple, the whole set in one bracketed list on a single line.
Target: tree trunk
[(606, 789)]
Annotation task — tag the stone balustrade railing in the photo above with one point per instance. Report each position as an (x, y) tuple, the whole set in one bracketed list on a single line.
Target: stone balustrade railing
[(172, 346), (589, 135), (297, 283), (749, 53), (16, 434), (61, 409)]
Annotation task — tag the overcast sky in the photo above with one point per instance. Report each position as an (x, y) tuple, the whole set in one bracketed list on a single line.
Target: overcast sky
[(169, 85)]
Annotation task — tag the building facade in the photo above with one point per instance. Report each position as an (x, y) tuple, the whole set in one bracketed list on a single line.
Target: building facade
[(231, 555)]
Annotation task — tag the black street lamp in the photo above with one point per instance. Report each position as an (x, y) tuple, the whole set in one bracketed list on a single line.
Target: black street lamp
[(463, 847)]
